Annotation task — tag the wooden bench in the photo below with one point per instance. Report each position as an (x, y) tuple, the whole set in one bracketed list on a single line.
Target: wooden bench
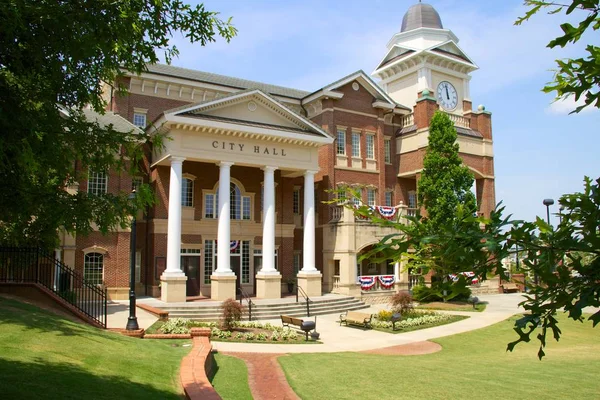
[(286, 321), (356, 318), (510, 287)]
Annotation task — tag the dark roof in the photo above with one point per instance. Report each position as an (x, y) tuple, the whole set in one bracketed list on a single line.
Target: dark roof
[(449, 54), (421, 16), (235, 83)]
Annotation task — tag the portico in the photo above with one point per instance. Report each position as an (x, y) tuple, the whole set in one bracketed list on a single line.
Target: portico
[(253, 137)]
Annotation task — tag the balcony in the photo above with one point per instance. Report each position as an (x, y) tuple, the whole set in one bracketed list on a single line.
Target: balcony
[(340, 213), (459, 120)]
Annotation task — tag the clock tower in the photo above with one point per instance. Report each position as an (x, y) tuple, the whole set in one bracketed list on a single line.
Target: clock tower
[(425, 56)]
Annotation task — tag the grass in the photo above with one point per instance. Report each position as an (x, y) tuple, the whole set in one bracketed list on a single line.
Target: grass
[(230, 378), (451, 306), (472, 365), (451, 319), (44, 356)]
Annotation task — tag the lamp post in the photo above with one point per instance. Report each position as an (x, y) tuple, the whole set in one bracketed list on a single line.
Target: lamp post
[(132, 323), (548, 203), (560, 210)]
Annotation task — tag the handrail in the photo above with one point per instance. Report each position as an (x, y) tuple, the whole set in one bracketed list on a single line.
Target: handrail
[(32, 264), (246, 296), (303, 293)]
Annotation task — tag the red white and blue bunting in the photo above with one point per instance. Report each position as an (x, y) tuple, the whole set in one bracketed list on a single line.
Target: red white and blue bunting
[(386, 212), (233, 245), (366, 282), (469, 277), (386, 281)]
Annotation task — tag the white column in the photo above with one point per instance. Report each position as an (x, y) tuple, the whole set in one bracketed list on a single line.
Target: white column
[(308, 264), (224, 230), (268, 246), (397, 271), (174, 220)]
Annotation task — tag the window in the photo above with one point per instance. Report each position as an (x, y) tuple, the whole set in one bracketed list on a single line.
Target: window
[(240, 206), (97, 183), (93, 267), (389, 199), (412, 199), (370, 147), (246, 261), (355, 144), (187, 192), (341, 142), (209, 260), (296, 201), (388, 151), (139, 119), (297, 262), (371, 197), (138, 266), (341, 194), (356, 197), (136, 182)]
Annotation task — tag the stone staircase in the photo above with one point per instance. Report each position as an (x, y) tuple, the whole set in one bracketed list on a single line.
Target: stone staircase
[(264, 310)]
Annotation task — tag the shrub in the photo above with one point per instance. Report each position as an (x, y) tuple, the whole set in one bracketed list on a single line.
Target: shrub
[(176, 326), (401, 302), (424, 294), (384, 315), (232, 313)]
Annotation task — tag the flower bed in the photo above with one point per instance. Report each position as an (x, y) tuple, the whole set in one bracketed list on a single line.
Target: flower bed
[(246, 331), (414, 320)]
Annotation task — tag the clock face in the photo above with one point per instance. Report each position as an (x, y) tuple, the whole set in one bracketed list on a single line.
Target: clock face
[(447, 96)]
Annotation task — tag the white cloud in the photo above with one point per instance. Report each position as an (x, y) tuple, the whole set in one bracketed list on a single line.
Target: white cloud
[(568, 104)]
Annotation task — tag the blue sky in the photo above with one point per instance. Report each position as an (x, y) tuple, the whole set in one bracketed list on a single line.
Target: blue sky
[(540, 150)]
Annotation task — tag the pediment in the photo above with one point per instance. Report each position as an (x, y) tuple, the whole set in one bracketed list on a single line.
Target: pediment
[(249, 107), (394, 54), (451, 49)]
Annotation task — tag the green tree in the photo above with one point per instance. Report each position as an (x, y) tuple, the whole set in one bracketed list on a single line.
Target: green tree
[(55, 57), (579, 77), (445, 182)]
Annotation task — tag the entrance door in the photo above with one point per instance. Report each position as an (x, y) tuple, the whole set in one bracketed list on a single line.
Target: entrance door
[(234, 262), (191, 268)]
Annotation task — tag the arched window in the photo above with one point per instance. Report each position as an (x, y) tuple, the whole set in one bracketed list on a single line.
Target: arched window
[(239, 205), (93, 268)]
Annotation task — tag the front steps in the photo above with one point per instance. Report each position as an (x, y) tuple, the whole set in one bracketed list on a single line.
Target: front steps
[(264, 310)]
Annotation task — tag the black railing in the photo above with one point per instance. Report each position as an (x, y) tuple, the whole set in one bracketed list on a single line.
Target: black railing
[(301, 291), (246, 296), (34, 265)]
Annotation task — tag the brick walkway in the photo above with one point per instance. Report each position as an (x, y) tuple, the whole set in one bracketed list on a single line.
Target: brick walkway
[(265, 377)]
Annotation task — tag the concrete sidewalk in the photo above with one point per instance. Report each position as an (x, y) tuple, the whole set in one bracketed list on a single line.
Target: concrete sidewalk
[(118, 313), (337, 338)]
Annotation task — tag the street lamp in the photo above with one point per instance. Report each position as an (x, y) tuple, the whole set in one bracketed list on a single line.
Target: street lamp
[(560, 211), (548, 203), (132, 323)]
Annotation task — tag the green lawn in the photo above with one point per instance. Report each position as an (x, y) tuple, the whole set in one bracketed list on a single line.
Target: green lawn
[(230, 378), (43, 356), (452, 306), (472, 365)]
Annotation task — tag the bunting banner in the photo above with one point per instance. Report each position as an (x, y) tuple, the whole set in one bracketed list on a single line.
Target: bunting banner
[(361, 217), (386, 212), (366, 282), (470, 277), (233, 245), (386, 281)]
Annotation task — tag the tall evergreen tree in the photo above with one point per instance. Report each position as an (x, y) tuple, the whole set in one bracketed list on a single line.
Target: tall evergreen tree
[(445, 182)]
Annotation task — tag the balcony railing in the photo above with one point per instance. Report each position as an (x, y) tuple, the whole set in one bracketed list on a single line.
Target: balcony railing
[(459, 120), (407, 120), (336, 282), (339, 213)]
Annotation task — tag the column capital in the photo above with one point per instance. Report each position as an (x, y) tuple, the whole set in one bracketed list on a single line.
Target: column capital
[(310, 172), (177, 159), (269, 168), (225, 163)]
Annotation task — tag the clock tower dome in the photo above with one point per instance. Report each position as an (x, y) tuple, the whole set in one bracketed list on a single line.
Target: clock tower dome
[(425, 56)]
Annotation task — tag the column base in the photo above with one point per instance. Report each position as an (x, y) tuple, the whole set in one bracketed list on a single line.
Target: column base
[(173, 288), (268, 286), (310, 282), (222, 287), (401, 286)]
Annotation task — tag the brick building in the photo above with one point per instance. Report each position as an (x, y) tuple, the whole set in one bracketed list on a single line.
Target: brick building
[(243, 180)]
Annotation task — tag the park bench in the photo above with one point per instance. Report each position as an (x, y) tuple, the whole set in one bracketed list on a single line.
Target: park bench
[(356, 318), (305, 326), (510, 287)]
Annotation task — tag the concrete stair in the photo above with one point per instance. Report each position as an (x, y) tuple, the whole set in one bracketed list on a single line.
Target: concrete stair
[(264, 311)]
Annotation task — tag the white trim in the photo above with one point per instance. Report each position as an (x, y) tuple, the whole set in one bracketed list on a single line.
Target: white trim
[(322, 93)]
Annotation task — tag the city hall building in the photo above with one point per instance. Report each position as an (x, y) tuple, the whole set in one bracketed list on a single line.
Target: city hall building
[(244, 181)]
